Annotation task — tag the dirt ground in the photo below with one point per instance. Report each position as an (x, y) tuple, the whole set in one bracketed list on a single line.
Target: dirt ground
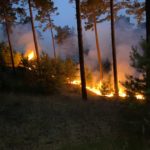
[(65, 122)]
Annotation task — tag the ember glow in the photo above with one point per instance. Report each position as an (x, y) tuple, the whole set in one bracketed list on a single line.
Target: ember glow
[(139, 96), (96, 90), (31, 55), (122, 93)]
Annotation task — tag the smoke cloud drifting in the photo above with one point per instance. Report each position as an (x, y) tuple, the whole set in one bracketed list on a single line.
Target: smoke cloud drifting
[(127, 35)]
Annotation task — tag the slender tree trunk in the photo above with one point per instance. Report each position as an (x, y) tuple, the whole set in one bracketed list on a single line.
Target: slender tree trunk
[(10, 46), (81, 55), (52, 36), (33, 31), (98, 50), (148, 20), (147, 7), (114, 48)]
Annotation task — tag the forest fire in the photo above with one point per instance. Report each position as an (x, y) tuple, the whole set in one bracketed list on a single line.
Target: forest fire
[(97, 91), (122, 93), (31, 55), (139, 96)]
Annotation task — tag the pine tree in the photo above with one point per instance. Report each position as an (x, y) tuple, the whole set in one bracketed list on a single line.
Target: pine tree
[(62, 33), (8, 15), (114, 48), (141, 63), (45, 10), (138, 8), (91, 11), (81, 56), (6, 11), (33, 30)]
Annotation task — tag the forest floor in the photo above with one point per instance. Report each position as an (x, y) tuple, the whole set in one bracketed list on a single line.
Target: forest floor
[(65, 122)]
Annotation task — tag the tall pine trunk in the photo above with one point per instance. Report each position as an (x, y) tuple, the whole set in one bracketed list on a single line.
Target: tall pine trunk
[(33, 31), (147, 7), (81, 54), (10, 45), (148, 20), (114, 49), (98, 49), (52, 36)]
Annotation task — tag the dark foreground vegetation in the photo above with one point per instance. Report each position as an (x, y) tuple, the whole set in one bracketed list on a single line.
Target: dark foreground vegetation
[(65, 122)]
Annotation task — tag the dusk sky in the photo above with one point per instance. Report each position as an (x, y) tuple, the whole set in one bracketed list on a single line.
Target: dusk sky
[(67, 13)]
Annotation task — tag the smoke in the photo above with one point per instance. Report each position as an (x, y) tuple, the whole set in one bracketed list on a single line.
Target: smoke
[(21, 38), (127, 35), (69, 48)]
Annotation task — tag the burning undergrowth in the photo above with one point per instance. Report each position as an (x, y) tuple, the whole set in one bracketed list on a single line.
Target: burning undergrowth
[(50, 75), (69, 49)]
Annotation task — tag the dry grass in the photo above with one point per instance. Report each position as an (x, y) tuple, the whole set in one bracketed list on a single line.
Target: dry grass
[(62, 122)]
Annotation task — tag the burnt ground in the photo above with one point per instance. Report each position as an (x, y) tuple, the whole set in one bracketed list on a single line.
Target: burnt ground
[(65, 122)]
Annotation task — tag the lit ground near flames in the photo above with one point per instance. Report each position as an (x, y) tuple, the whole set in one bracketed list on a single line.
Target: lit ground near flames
[(97, 91), (65, 122)]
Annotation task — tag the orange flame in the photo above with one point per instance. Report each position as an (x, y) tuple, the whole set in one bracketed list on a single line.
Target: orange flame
[(122, 93), (139, 96), (31, 55), (96, 90)]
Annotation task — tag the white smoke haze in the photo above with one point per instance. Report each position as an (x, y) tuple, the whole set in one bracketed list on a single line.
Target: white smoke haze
[(91, 59), (68, 48), (22, 38), (127, 35)]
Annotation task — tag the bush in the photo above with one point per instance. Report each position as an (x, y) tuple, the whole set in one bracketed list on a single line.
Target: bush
[(141, 63), (5, 57), (44, 77), (49, 74)]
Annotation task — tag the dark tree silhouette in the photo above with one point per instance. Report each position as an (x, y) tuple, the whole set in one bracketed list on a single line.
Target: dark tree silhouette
[(45, 11), (8, 16), (114, 48), (33, 31), (81, 56), (147, 20), (10, 45), (52, 36), (138, 8)]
